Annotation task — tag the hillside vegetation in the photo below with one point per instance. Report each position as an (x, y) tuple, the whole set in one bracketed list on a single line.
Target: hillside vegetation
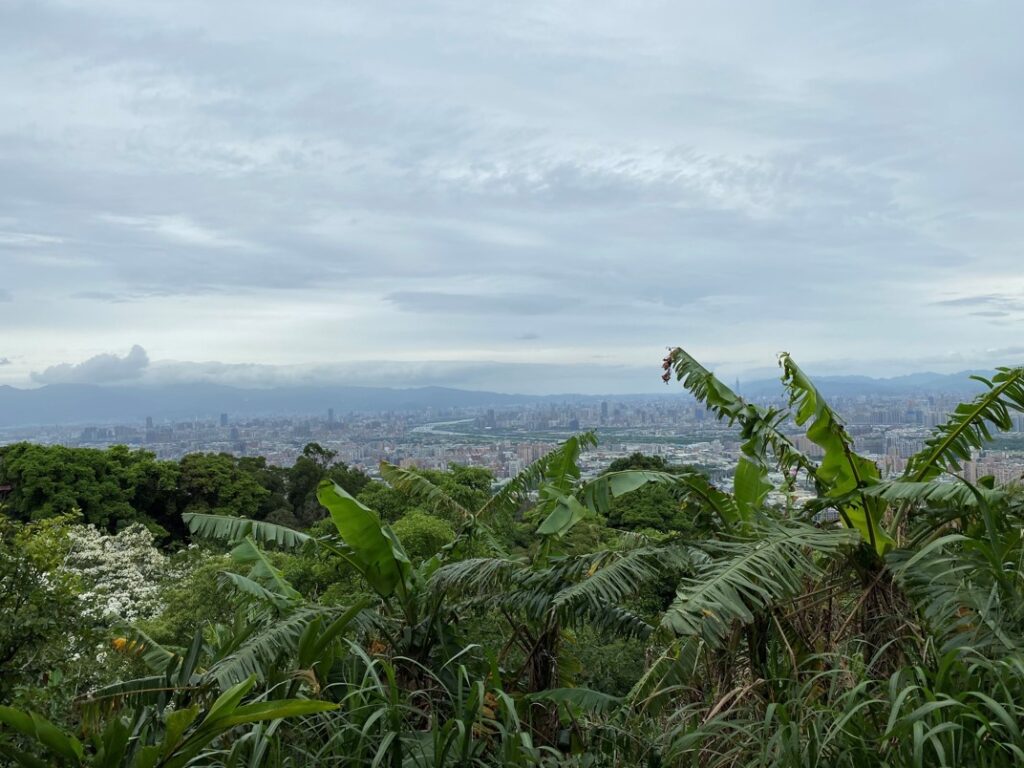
[(218, 611)]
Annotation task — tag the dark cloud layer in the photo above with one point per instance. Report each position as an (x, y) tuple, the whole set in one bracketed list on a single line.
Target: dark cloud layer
[(334, 182)]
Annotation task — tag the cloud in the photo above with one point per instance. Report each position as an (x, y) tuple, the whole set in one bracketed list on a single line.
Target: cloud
[(515, 378), (639, 172), (100, 369), (179, 229), (27, 239), (1000, 304), (469, 304), (5, 361)]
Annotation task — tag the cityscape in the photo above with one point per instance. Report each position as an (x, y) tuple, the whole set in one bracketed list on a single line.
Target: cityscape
[(506, 439)]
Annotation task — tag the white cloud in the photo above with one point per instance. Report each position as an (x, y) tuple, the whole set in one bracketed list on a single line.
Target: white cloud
[(610, 179), (179, 229), (99, 369)]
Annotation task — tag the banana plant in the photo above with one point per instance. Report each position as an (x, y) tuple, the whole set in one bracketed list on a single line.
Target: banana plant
[(847, 480), (771, 559)]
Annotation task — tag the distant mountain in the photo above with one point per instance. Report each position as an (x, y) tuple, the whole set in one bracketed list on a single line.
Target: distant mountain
[(92, 404), (86, 403), (852, 386)]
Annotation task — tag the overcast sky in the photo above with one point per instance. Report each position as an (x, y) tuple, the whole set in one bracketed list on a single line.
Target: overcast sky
[(259, 191)]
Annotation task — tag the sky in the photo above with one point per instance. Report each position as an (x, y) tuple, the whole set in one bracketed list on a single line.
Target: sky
[(520, 196)]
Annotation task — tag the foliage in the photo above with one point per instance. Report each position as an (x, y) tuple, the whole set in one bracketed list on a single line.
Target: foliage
[(641, 617), (422, 535)]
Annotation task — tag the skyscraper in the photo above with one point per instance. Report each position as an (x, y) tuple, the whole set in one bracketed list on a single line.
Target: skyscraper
[(223, 419)]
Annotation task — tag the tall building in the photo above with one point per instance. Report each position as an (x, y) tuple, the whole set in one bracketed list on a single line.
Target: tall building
[(149, 422), (223, 419), (604, 411), (330, 415)]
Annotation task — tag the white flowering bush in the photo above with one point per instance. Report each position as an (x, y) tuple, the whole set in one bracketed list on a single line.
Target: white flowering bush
[(121, 574)]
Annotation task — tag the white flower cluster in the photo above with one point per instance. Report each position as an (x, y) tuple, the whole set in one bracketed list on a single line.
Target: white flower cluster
[(122, 574)]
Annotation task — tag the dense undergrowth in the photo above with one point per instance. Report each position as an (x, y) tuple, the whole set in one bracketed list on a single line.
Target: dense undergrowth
[(232, 614)]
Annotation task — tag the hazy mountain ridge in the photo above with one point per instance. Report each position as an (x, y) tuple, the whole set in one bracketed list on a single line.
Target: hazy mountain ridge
[(90, 403)]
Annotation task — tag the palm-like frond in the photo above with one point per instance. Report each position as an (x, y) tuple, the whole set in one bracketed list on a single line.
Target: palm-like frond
[(255, 590), (420, 489), (153, 690), (558, 468), (934, 492), (476, 576), (156, 656), (262, 653), (262, 571), (231, 529), (970, 426), (761, 428), (614, 576), (582, 699), (750, 575), (957, 596), (598, 493)]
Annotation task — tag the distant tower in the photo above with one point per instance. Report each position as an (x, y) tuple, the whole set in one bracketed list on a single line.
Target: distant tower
[(223, 419), (330, 415), (604, 411), (737, 390), (149, 422)]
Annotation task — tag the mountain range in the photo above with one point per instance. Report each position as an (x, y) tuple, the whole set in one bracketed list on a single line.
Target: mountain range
[(57, 404)]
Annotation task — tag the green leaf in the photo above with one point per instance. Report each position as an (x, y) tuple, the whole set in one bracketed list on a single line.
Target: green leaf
[(273, 710), (970, 425), (176, 723), (42, 730), (750, 487), (262, 570), (581, 699), (421, 490), (373, 551), (225, 528), (760, 428), (751, 575), (842, 471), (227, 701), (23, 759), (566, 511)]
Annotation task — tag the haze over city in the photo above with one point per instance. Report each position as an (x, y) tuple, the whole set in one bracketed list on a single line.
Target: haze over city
[(529, 197)]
